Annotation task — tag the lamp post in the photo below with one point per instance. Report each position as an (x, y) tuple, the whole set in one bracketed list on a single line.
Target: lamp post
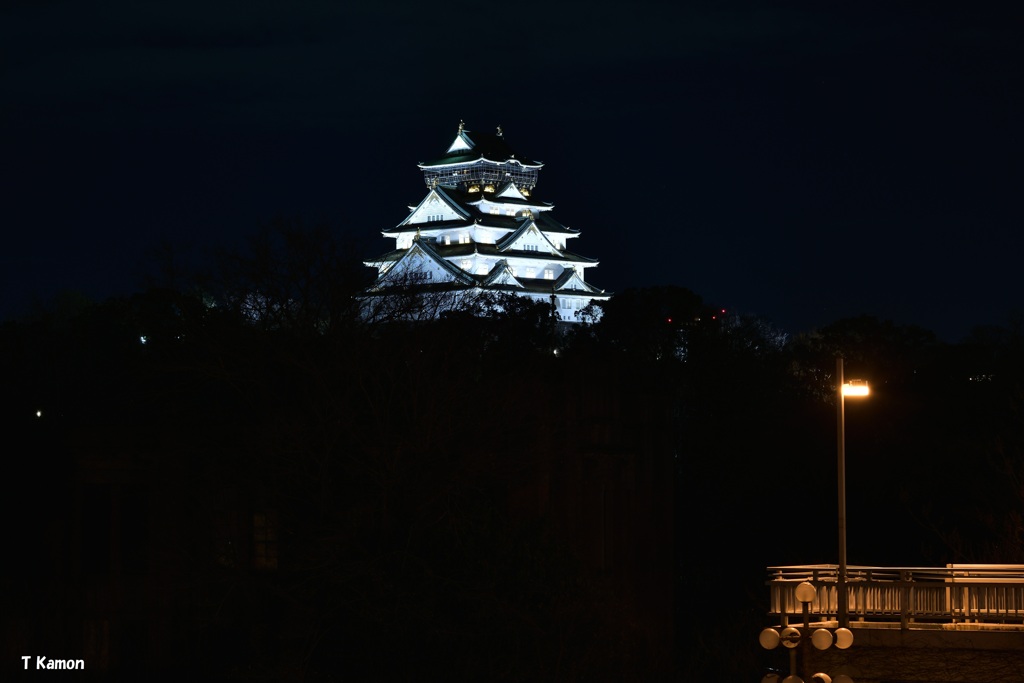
[(853, 388)]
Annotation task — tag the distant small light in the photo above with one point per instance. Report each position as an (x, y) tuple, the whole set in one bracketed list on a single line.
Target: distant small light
[(142, 339), (39, 413), (668, 320)]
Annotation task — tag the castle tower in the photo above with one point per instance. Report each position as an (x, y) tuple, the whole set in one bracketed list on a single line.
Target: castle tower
[(480, 228)]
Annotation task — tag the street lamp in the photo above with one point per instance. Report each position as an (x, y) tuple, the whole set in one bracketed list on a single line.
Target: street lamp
[(854, 388)]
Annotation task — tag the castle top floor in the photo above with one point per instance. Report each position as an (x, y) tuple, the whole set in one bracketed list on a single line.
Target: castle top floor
[(480, 162)]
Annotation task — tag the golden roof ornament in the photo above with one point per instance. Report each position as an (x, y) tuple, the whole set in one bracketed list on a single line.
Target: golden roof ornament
[(462, 125), (500, 133)]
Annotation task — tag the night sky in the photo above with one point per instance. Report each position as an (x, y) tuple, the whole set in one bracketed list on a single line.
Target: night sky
[(800, 164)]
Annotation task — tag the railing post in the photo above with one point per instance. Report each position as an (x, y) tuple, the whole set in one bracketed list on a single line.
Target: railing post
[(904, 600)]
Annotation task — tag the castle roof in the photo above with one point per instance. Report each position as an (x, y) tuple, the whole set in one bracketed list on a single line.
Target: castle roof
[(471, 146), (458, 250), (468, 204)]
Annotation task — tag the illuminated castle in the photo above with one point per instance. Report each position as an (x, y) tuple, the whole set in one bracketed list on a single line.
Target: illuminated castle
[(480, 230)]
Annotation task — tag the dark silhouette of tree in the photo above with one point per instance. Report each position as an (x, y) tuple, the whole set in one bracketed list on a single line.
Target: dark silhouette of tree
[(291, 277), (976, 397), (338, 488), (472, 484), (651, 323)]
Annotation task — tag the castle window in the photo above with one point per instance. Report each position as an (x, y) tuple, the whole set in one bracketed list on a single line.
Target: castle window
[(464, 238), (495, 210), (447, 239), (549, 274)]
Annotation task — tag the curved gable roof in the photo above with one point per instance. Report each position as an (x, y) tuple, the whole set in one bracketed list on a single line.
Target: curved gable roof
[(569, 281), (423, 250), (444, 197), (501, 274), (517, 236), (469, 146)]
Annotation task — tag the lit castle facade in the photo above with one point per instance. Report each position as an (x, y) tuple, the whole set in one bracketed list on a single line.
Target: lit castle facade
[(480, 230)]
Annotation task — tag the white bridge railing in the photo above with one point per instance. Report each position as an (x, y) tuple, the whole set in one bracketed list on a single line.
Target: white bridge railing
[(980, 593)]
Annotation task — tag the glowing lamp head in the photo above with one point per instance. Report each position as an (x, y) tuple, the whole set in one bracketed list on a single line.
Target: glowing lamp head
[(790, 637), (856, 387), (806, 592)]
